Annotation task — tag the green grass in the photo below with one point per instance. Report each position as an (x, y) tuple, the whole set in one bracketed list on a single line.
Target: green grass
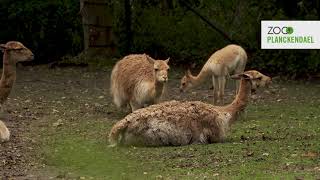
[(276, 140), (90, 158)]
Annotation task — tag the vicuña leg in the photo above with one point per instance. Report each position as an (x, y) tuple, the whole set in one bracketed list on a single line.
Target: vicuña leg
[(134, 106), (215, 89), (1, 108), (222, 84), (237, 82), (238, 71), (3, 111)]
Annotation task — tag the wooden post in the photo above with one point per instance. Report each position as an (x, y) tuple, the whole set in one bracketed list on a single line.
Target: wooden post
[(127, 12), (97, 26)]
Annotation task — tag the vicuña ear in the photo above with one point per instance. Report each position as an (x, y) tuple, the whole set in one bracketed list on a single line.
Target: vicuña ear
[(248, 76), (16, 47), (236, 76), (167, 60), (3, 47), (149, 59), (188, 73), (239, 76)]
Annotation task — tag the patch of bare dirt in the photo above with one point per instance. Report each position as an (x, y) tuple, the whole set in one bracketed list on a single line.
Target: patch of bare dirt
[(13, 157), (37, 94)]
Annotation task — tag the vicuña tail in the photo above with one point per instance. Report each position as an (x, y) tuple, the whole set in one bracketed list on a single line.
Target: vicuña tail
[(4, 132), (116, 132)]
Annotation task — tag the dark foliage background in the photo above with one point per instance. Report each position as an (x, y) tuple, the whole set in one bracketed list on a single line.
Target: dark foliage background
[(51, 29), (165, 28)]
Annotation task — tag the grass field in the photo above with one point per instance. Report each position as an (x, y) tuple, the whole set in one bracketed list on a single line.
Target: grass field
[(278, 138)]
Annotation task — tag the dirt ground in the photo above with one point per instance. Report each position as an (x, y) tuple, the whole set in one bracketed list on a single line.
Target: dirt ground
[(35, 96), (42, 95)]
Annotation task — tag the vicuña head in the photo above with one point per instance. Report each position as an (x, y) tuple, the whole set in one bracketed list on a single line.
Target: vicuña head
[(16, 52), (264, 81), (161, 68), (256, 78), (186, 82)]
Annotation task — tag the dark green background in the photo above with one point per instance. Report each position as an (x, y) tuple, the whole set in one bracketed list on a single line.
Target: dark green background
[(52, 29)]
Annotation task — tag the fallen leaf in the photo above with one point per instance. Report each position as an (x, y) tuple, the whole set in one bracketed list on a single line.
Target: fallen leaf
[(57, 123), (250, 153), (310, 154)]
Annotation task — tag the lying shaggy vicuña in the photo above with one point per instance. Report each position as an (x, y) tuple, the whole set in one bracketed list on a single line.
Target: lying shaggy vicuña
[(180, 123), (4, 132), (138, 80)]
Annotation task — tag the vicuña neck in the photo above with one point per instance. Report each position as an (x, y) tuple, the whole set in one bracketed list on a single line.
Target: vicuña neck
[(203, 75), (241, 100), (8, 69), (159, 88)]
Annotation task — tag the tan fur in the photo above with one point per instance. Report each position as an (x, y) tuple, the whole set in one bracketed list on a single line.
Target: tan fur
[(13, 52), (265, 80), (228, 60), (138, 80), (4, 132), (180, 123)]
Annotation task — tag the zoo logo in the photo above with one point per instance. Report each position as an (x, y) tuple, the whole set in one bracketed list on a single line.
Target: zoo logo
[(280, 30)]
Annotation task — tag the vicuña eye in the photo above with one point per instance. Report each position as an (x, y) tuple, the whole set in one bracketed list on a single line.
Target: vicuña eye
[(156, 69)]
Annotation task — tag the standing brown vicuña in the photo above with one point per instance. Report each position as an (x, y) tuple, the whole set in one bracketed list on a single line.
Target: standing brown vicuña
[(13, 52), (138, 80)]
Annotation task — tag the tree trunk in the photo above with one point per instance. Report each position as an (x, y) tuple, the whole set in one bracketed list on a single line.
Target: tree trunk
[(318, 8), (127, 11), (97, 26), (165, 6)]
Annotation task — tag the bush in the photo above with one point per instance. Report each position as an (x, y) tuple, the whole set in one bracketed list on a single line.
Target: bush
[(184, 37), (50, 28), (53, 29)]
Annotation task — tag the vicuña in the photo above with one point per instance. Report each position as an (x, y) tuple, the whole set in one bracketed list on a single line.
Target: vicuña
[(231, 59), (138, 81), (175, 123)]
